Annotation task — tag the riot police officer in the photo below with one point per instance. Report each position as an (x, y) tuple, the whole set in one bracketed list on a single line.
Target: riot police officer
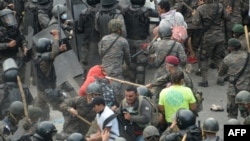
[(185, 120), (76, 137), (46, 51), (45, 131), (243, 100), (44, 14), (12, 42), (210, 128), (86, 25), (9, 90), (137, 22), (9, 123)]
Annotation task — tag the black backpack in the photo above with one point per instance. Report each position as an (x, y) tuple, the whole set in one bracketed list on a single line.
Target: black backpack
[(126, 129)]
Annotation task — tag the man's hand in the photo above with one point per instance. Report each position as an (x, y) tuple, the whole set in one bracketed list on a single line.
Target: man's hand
[(126, 115), (194, 12), (73, 111), (105, 135), (149, 86), (12, 43), (200, 2), (63, 47), (229, 9), (55, 34), (25, 50)]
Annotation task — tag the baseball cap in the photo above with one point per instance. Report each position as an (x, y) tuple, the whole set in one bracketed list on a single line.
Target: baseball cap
[(150, 131), (97, 101), (172, 60)]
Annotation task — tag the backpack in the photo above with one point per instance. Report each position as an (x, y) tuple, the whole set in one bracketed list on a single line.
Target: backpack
[(137, 24), (155, 114), (107, 91), (179, 34), (103, 18), (125, 128)]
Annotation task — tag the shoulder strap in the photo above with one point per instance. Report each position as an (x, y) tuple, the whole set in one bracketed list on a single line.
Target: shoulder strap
[(168, 53), (110, 46), (110, 118), (241, 71)]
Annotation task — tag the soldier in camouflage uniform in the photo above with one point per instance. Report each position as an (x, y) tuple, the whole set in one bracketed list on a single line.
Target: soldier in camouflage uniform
[(213, 35), (137, 22), (172, 65), (243, 100), (238, 33), (72, 107), (236, 65), (165, 47), (46, 51), (114, 50), (235, 16)]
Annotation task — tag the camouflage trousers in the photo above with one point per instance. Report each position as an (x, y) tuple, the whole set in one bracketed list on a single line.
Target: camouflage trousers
[(42, 101), (212, 48)]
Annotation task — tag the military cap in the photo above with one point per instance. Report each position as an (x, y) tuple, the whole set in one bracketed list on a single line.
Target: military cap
[(238, 28), (150, 131), (172, 60), (233, 42)]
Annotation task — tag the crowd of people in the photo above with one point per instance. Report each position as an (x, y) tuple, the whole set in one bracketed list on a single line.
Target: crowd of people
[(210, 33)]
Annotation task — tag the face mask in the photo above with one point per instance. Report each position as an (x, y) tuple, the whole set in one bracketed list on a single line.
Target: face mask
[(242, 109), (64, 16)]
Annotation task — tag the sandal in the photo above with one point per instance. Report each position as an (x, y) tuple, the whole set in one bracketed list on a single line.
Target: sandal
[(216, 108)]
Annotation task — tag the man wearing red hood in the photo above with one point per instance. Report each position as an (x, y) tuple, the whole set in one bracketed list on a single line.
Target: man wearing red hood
[(95, 71)]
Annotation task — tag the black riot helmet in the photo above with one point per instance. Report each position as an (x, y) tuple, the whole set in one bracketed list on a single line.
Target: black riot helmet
[(8, 18), (43, 45), (185, 118), (108, 2), (45, 130), (76, 137), (138, 2), (93, 2), (16, 108), (10, 70), (211, 125), (60, 10), (43, 1)]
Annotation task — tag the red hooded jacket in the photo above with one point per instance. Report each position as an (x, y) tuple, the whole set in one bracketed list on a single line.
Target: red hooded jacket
[(95, 71)]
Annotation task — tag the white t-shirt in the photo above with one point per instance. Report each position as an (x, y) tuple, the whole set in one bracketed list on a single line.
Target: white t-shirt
[(107, 112)]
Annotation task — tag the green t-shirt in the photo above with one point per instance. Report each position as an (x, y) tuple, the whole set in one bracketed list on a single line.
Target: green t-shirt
[(174, 98)]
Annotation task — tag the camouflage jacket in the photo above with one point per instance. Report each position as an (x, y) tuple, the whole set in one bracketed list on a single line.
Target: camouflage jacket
[(113, 58), (72, 123), (162, 49), (210, 16), (232, 64)]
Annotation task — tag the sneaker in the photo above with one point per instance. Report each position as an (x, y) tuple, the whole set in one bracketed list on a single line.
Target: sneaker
[(203, 84), (192, 60)]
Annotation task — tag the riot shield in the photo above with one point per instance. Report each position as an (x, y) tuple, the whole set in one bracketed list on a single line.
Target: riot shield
[(77, 7), (45, 33), (72, 40), (28, 65), (67, 67), (55, 2)]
